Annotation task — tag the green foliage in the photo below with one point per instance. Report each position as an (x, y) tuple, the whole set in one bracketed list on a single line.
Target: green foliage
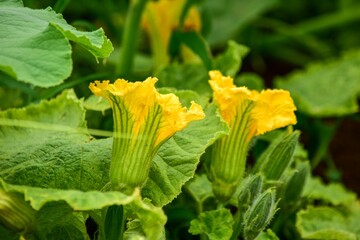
[(323, 223), (35, 44), (216, 224), (57, 173), (229, 62), (151, 218), (314, 88), (333, 193), (50, 151), (268, 235), (200, 188), (229, 16)]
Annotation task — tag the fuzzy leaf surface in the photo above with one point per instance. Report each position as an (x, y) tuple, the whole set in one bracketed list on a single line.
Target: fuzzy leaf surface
[(47, 145), (333, 193), (228, 16), (208, 224), (35, 44), (323, 223), (338, 81)]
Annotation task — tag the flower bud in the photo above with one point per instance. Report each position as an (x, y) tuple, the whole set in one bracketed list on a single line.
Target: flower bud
[(275, 161), (259, 215), (15, 213), (250, 191), (294, 184)]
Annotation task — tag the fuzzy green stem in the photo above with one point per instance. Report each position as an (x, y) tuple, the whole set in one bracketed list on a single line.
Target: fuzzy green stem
[(129, 37), (60, 5), (115, 223), (237, 225)]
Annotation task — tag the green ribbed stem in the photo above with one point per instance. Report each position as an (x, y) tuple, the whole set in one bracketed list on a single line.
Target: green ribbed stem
[(130, 37), (229, 155), (132, 155)]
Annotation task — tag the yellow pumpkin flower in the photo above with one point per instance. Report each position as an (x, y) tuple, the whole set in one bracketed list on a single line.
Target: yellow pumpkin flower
[(143, 120), (161, 18), (248, 114)]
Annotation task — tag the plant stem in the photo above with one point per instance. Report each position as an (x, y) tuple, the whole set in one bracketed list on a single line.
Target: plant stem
[(237, 226), (129, 37), (325, 133), (114, 226), (55, 90), (60, 5)]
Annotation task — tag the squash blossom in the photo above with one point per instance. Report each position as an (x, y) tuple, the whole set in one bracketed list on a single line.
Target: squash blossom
[(248, 114), (143, 120), (161, 18)]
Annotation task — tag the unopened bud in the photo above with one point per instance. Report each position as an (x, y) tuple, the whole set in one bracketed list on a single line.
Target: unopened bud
[(278, 157), (15, 213), (251, 189), (295, 183), (259, 215)]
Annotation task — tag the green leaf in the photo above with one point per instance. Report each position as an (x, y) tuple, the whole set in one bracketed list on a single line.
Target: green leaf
[(97, 103), (185, 76), (56, 220), (336, 80), (230, 15), (250, 80), (48, 145), (176, 161), (333, 193), (199, 46), (200, 188), (6, 234), (323, 223), (152, 218), (216, 224), (229, 62), (14, 3), (35, 45), (268, 235)]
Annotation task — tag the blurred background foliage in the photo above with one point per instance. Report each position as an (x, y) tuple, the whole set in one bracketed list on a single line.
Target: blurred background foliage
[(308, 47)]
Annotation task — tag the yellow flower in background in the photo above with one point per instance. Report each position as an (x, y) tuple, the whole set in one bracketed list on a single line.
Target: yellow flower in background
[(248, 114), (161, 18), (143, 120)]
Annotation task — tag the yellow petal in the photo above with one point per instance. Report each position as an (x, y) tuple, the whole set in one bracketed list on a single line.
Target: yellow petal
[(142, 103), (175, 117), (273, 109), (227, 95)]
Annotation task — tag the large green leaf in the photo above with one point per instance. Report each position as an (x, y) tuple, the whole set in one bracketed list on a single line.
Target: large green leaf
[(47, 145), (323, 223), (152, 219), (216, 224), (326, 89), (229, 62), (333, 193), (35, 44), (185, 76), (228, 16)]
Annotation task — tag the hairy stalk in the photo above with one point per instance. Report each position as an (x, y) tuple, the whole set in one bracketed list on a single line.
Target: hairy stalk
[(129, 37)]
